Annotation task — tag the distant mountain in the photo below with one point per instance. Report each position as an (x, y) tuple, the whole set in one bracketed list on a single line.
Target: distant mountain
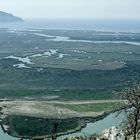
[(6, 17)]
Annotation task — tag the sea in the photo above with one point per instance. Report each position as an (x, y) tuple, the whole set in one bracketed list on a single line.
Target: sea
[(98, 25)]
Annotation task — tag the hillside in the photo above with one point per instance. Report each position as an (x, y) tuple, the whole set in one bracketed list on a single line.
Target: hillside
[(6, 17)]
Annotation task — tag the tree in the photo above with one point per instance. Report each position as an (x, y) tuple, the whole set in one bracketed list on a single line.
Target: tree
[(131, 97)]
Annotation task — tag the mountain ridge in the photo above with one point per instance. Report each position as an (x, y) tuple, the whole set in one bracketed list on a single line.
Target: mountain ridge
[(8, 17)]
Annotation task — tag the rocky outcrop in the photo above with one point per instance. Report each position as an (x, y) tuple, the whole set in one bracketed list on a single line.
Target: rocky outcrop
[(113, 133)]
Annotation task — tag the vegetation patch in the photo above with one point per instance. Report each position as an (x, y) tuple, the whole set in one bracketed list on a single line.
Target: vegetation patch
[(95, 107)]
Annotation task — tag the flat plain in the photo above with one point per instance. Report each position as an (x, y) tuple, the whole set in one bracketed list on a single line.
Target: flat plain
[(67, 64), (63, 76)]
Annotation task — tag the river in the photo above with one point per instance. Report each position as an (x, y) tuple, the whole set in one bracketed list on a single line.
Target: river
[(5, 136), (91, 128), (96, 127)]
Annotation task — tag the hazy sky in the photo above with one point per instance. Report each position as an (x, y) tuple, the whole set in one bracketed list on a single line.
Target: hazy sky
[(73, 9)]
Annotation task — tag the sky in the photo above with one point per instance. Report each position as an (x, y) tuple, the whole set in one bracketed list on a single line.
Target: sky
[(73, 9)]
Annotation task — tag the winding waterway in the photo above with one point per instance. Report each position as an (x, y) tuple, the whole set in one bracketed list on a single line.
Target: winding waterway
[(67, 39), (91, 128), (5, 136), (113, 119)]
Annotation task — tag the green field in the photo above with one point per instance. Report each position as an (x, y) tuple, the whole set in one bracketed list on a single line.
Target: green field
[(81, 73), (33, 66), (95, 107), (32, 127)]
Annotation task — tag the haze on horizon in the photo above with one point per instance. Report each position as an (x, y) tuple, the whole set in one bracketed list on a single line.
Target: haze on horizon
[(73, 9)]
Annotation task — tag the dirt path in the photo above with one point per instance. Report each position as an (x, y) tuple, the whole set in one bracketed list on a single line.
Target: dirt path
[(83, 102)]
